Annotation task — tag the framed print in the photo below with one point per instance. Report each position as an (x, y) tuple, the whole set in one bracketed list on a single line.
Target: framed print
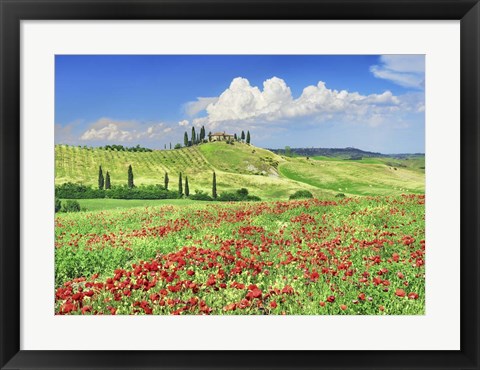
[(239, 185)]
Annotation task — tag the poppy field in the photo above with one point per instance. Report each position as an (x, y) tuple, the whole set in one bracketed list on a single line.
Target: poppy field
[(350, 256)]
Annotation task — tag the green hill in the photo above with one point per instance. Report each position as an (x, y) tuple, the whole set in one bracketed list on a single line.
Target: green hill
[(263, 172)]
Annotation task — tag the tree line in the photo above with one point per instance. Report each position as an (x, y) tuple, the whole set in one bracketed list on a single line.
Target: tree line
[(130, 191)]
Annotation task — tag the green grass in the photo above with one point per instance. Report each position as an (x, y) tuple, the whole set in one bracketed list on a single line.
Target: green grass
[(241, 158), (355, 177), (111, 204)]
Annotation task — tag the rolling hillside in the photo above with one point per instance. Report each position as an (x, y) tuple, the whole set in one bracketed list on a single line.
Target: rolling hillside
[(263, 172)]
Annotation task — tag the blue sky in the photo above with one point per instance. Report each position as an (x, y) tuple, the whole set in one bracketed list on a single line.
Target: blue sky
[(371, 102)]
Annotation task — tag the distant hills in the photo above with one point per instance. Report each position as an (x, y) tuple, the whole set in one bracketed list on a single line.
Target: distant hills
[(348, 153)]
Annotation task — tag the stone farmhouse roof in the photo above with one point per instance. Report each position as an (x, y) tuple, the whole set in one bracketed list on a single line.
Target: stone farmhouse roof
[(220, 134)]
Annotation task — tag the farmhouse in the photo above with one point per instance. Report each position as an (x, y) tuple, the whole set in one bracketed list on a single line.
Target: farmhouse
[(219, 136)]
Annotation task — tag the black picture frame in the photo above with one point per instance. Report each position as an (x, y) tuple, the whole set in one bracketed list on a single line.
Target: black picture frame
[(12, 12)]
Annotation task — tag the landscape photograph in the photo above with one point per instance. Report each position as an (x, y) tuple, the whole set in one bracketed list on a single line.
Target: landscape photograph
[(239, 185)]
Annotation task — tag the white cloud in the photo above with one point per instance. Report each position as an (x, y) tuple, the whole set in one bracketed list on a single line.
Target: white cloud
[(183, 123), (194, 107), (403, 70), (106, 129), (246, 104), (111, 132)]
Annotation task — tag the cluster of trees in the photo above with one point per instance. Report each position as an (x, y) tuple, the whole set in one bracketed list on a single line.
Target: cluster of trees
[(195, 138), (242, 137), (121, 148)]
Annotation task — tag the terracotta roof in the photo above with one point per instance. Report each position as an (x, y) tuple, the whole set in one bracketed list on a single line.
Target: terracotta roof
[(221, 134)]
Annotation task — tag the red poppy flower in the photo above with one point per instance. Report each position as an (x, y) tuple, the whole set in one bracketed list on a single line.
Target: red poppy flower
[(86, 309), (77, 296), (400, 293), (230, 307), (412, 295), (343, 307), (256, 293), (331, 299)]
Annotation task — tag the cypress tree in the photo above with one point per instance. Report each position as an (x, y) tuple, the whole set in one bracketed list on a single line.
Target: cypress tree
[(202, 134), (214, 186), (170, 145), (165, 180), (248, 137), (235, 137), (130, 177), (187, 189), (165, 146), (180, 186), (107, 181), (185, 139), (243, 135), (101, 180), (193, 136)]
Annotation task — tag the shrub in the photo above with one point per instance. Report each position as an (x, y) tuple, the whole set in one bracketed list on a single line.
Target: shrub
[(340, 195), (228, 197), (141, 192), (240, 195), (71, 206), (242, 192), (200, 195), (58, 205), (79, 191), (301, 194)]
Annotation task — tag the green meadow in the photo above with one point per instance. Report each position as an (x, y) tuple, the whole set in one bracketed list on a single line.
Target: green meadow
[(264, 173)]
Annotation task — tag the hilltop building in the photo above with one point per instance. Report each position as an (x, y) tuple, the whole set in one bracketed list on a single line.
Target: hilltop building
[(219, 136)]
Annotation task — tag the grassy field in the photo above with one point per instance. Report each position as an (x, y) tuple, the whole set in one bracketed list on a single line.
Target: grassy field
[(361, 255), (112, 204), (264, 173), (355, 256), (355, 177)]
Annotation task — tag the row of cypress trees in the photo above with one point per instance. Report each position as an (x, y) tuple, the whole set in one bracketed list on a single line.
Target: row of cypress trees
[(187, 188), (242, 137), (104, 182), (194, 139)]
